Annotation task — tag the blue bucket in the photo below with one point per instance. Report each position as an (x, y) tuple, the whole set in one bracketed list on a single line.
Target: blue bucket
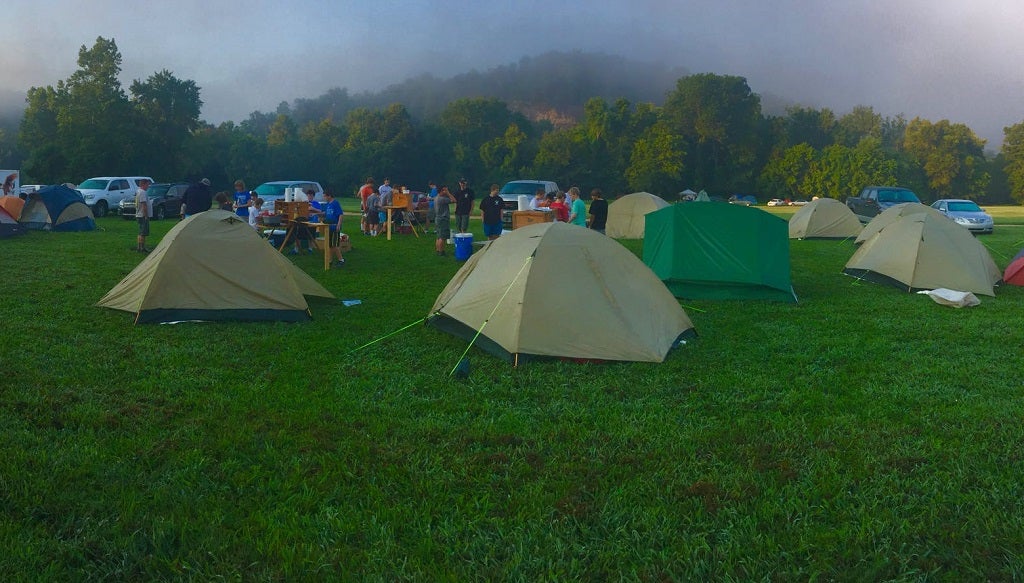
[(463, 246)]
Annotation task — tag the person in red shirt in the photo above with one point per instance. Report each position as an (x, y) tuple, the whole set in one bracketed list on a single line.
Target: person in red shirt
[(560, 209), (364, 193)]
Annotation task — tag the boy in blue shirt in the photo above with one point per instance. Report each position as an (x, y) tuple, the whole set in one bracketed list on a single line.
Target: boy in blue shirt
[(332, 216)]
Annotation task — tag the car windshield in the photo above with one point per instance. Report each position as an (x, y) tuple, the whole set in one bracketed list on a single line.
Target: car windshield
[(93, 184), (964, 207), (520, 188), (897, 196), (158, 190), (265, 190)]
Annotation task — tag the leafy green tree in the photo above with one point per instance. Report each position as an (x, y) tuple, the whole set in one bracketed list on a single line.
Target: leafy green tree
[(657, 161), (167, 112), (93, 118), (505, 156), (1012, 154), (862, 122), (814, 127), (719, 117), (952, 156), (471, 123), (786, 175), (39, 137)]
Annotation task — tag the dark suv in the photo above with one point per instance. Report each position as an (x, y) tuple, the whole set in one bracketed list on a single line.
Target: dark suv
[(164, 198), (875, 199)]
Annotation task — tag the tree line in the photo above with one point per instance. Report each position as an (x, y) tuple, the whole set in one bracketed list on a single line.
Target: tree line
[(709, 133)]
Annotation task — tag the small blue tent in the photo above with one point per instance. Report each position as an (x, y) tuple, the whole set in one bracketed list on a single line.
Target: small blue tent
[(57, 208)]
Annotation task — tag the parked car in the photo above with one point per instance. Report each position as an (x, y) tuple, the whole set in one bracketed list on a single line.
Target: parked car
[(776, 202), (966, 213), (511, 192), (105, 193), (875, 199), (27, 189), (165, 198), (274, 191), (743, 199)]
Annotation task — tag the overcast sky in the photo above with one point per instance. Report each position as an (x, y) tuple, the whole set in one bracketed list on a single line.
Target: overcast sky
[(938, 59)]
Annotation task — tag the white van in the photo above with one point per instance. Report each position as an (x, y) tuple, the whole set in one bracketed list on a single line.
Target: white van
[(104, 193)]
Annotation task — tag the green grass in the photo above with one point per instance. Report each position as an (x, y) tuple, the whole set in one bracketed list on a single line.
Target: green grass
[(862, 434)]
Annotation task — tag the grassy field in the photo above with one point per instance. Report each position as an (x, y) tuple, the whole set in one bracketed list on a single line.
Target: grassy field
[(862, 434)]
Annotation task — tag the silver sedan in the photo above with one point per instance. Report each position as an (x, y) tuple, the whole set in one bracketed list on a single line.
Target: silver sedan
[(965, 213)]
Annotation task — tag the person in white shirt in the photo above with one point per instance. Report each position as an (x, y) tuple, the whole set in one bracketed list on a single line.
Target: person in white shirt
[(143, 212), (539, 200), (254, 212)]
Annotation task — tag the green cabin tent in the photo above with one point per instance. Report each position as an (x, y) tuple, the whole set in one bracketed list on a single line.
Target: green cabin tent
[(719, 251)]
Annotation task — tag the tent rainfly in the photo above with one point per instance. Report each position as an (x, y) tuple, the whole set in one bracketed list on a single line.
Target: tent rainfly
[(214, 266), (626, 214), (891, 215), (824, 218), (925, 251), (559, 290), (1014, 273), (8, 226)]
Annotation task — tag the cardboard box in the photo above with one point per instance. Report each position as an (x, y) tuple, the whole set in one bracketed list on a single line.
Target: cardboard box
[(523, 218)]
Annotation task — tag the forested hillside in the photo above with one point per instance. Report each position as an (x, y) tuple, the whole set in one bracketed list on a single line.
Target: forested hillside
[(591, 120)]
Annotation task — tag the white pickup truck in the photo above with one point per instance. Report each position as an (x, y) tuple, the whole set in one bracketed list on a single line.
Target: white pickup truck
[(104, 193), (511, 192)]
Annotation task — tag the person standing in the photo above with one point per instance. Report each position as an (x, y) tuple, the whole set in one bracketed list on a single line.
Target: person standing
[(464, 197), (373, 214), (598, 211), (559, 208), (197, 198), (539, 200), (430, 205), (490, 208), (364, 193), (143, 212), (577, 209), (442, 219), (385, 191), (332, 216), (254, 212), (243, 200)]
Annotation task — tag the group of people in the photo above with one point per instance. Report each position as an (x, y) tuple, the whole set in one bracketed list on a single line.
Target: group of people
[(572, 209), (198, 197)]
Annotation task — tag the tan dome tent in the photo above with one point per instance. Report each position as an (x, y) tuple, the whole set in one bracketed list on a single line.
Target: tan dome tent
[(824, 218), (925, 251), (214, 266), (893, 214), (626, 214), (559, 290)]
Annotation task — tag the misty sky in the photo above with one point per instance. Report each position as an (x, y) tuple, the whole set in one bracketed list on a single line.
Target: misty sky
[(938, 59)]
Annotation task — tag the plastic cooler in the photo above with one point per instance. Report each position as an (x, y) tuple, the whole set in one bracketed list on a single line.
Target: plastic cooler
[(463, 246)]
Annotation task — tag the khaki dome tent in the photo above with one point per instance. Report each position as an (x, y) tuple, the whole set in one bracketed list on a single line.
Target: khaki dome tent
[(893, 214), (214, 266), (559, 290), (626, 214), (925, 251), (824, 218)]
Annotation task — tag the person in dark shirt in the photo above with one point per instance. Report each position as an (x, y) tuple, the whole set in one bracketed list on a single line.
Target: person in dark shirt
[(463, 206), (198, 198), (598, 211), (490, 207)]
